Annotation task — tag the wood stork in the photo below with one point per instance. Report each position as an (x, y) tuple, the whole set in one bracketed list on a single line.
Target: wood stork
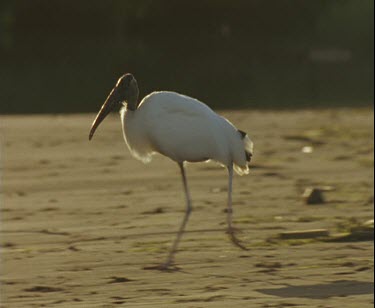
[(183, 129)]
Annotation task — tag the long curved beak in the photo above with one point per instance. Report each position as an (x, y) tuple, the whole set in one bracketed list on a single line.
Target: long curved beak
[(109, 104)]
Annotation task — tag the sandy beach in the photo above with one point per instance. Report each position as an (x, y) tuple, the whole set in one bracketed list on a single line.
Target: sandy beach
[(81, 220)]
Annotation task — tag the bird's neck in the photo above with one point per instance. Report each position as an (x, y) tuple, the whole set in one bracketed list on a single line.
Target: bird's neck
[(132, 104), (126, 110)]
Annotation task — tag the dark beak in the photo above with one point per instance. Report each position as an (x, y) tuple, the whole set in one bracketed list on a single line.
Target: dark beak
[(110, 103)]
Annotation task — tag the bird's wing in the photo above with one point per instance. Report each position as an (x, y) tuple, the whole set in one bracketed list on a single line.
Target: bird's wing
[(181, 127), (165, 102)]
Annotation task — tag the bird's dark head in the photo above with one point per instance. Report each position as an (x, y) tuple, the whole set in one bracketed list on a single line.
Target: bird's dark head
[(125, 91)]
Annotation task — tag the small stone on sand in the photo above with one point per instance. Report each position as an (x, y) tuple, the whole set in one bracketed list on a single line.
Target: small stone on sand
[(313, 196)]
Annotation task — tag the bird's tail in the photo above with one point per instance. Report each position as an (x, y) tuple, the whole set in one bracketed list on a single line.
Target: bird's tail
[(249, 146)]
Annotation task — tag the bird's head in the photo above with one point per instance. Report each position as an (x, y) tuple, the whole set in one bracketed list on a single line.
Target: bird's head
[(125, 91)]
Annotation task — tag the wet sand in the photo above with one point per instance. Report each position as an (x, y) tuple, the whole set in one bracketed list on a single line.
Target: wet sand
[(80, 220)]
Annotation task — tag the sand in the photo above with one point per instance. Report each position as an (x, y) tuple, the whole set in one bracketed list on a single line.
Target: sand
[(80, 220)]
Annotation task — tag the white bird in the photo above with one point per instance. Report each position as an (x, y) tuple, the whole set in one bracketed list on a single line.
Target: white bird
[(183, 129)]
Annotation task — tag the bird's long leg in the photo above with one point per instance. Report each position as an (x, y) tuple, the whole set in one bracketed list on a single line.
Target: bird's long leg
[(231, 231), (184, 222)]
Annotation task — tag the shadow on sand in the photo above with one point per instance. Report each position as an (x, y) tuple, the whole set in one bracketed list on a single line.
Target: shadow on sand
[(322, 291)]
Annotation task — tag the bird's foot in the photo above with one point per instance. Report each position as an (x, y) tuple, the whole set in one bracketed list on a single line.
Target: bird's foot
[(235, 240), (164, 267)]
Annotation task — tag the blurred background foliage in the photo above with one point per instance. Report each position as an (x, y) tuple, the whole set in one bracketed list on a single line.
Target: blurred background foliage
[(66, 55)]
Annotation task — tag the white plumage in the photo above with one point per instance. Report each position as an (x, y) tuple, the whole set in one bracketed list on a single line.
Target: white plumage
[(183, 129)]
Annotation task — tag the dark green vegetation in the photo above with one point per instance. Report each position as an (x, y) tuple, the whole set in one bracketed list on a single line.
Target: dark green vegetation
[(65, 56)]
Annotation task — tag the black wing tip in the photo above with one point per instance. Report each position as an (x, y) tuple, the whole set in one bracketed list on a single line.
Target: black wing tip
[(243, 134), (248, 156)]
